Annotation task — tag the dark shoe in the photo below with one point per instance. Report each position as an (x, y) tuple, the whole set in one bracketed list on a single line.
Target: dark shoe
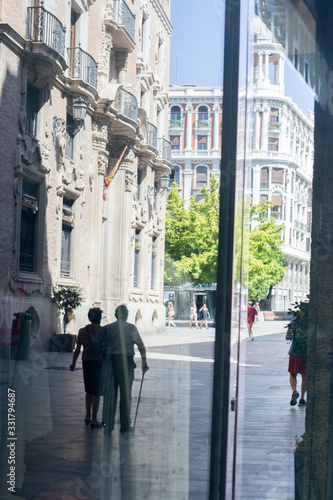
[(294, 398), (302, 402), (95, 425), (87, 421)]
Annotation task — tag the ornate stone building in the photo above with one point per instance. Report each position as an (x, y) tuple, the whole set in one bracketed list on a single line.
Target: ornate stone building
[(281, 154), (195, 134), (75, 101)]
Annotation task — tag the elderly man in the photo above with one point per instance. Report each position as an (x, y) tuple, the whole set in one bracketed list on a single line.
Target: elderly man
[(117, 340)]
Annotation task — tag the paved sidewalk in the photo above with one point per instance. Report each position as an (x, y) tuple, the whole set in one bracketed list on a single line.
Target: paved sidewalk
[(167, 458)]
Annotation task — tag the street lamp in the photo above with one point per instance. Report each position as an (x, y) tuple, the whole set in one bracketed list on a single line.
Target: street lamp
[(165, 181), (79, 112)]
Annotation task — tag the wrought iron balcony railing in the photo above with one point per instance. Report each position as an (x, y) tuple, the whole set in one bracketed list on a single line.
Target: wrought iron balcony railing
[(176, 123), (124, 17), (151, 138), (83, 66), (274, 125), (202, 123), (164, 148), (127, 104), (44, 27)]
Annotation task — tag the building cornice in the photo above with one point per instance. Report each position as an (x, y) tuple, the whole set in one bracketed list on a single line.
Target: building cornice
[(162, 15)]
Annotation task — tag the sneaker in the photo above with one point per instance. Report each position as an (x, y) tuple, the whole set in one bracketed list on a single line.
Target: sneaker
[(294, 398), (302, 402)]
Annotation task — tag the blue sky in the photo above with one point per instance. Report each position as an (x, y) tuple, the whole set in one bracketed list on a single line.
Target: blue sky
[(196, 42), (197, 48)]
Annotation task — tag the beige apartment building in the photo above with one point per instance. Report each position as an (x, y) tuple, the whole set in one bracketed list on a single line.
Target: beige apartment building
[(84, 92)]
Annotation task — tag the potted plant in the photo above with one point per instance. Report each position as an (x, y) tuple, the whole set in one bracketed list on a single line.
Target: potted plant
[(67, 299), (299, 466)]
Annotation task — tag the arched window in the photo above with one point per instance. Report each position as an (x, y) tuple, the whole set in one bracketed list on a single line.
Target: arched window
[(175, 113), (201, 180), (202, 113)]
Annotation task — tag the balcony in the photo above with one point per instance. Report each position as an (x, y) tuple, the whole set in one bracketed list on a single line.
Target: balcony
[(276, 215), (202, 124), (151, 138), (82, 66), (164, 148), (127, 104), (274, 126), (44, 27), (122, 21), (176, 123)]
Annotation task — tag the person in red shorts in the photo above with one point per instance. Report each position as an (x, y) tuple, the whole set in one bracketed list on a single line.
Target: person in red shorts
[(297, 363), (251, 314)]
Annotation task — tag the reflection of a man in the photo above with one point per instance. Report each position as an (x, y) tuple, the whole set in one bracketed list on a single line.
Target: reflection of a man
[(118, 340)]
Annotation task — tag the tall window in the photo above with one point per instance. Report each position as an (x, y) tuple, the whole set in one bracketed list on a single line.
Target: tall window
[(66, 237), (201, 177), (202, 113), (29, 227), (274, 115), (32, 108), (277, 176), (137, 247), (175, 113), (153, 264), (273, 144), (202, 142), (264, 179), (175, 142), (276, 210), (175, 176)]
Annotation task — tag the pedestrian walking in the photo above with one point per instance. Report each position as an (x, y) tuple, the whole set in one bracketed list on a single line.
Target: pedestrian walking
[(251, 314), (171, 314), (117, 340), (92, 363), (194, 315), (204, 315), (257, 308), (296, 332)]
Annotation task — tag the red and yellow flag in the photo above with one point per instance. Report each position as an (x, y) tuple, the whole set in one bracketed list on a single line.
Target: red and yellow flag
[(108, 179)]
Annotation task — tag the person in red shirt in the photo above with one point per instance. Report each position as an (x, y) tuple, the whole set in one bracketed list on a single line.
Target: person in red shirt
[(251, 314)]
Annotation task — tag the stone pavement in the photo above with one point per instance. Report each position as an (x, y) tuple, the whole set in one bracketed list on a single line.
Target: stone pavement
[(167, 457)]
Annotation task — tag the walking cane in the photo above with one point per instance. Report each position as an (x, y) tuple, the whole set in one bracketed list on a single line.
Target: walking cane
[(137, 406)]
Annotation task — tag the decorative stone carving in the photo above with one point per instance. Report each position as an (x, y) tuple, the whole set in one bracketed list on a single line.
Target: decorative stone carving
[(102, 163), (103, 63)]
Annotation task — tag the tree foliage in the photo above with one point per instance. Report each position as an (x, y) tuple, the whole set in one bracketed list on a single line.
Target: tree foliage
[(192, 237), (266, 260), (67, 299), (192, 243)]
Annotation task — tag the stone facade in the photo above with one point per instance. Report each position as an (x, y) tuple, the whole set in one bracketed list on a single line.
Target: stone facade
[(62, 225), (281, 155), (195, 134)]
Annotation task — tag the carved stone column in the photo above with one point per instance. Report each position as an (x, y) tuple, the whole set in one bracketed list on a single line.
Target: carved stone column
[(98, 169), (189, 109)]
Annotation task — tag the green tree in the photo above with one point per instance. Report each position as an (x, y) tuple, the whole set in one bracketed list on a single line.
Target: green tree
[(266, 260), (67, 299), (192, 237)]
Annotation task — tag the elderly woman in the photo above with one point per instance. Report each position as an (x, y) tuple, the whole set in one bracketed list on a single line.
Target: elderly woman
[(92, 363)]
